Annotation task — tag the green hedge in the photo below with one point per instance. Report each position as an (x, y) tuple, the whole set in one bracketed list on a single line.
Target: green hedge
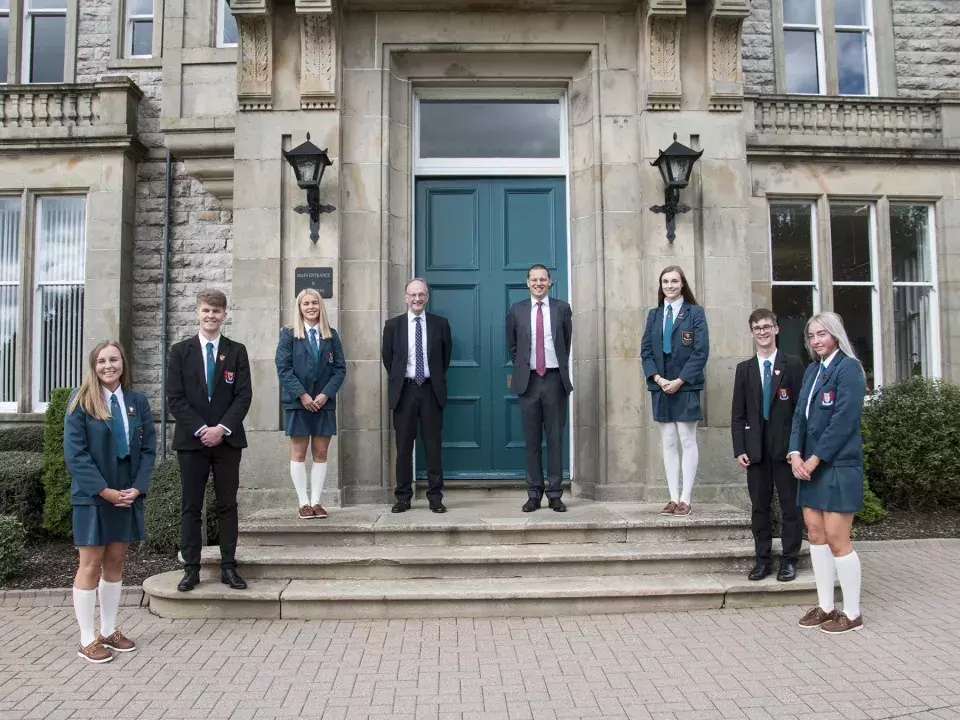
[(162, 509), (57, 512), (911, 435), (21, 489), (28, 438), (12, 547)]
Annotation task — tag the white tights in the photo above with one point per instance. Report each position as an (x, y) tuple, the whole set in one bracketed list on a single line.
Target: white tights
[(684, 434)]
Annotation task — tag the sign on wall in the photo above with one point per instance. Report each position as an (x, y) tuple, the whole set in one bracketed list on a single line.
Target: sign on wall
[(319, 278)]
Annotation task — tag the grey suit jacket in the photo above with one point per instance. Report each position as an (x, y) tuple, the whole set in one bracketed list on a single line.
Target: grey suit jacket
[(518, 340)]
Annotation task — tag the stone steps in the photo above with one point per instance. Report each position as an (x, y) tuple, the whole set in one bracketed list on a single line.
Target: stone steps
[(489, 561), (490, 597)]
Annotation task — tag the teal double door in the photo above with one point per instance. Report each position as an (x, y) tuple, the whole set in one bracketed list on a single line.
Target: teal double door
[(475, 240)]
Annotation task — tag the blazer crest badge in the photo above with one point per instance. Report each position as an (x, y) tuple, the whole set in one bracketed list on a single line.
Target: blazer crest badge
[(783, 393), (229, 377), (827, 398)]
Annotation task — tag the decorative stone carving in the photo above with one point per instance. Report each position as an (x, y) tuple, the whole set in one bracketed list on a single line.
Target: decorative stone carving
[(255, 54), (724, 68), (664, 18), (318, 65)]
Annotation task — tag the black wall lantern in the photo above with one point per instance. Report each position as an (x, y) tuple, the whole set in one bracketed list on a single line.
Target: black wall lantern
[(308, 162), (675, 165)]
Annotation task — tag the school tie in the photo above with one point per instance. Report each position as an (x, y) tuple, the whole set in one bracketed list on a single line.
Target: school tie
[(315, 349), (766, 389), (418, 341), (119, 432), (541, 351), (211, 366), (668, 332)]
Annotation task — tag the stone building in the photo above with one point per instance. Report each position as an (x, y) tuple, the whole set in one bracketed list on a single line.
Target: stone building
[(469, 140)]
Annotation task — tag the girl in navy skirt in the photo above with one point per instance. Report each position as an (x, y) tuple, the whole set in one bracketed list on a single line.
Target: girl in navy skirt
[(109, 445), (311, 368), (674, 351), (826, 453)]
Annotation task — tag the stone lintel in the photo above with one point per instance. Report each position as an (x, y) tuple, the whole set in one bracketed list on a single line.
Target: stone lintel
[(320, 7), (241, 8)]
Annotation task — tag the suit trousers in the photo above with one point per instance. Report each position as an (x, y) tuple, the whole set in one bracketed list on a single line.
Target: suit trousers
[(543, 406), (418, 403), (762, 477), (195, 467)]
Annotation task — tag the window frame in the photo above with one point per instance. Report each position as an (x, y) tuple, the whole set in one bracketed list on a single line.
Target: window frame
[(222, 7), (129, 21), (27, 30), (818, 35), (814, 283), (15, 405), (8, 13), (121, 38)]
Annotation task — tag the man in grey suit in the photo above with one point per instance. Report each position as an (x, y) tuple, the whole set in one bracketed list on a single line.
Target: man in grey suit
[(539, 334)]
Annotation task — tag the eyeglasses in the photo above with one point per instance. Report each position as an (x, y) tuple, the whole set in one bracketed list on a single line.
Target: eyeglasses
[(416, 296), (762, 329)]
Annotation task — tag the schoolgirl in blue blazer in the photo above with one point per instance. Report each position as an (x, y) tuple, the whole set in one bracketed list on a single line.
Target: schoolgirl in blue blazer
[(311, 368), (826, 454), (109, 446), (674, 350)]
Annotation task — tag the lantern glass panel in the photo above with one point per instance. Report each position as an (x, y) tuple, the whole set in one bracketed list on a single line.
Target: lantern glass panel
[(664, 171), (306, 168), (680, 169)]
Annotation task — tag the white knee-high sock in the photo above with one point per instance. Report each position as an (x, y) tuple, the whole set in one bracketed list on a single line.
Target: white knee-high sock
[(671, 461), (85, 605), (691, 457), (109, 603), (823, 573), (318, 473), (848, 570), (298, 471)]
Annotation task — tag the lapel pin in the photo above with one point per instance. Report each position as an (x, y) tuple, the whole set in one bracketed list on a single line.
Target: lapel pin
[(222, 358), (131, 410), (776, 372)]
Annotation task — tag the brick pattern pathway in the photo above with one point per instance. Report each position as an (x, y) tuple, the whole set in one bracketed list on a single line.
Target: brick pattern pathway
[(753, 664)]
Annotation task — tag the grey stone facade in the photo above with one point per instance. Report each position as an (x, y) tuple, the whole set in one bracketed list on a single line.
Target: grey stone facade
[(927, 36)]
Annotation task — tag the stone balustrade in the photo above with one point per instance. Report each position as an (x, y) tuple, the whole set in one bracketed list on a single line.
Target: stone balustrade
[(70, 114), (795, 124)]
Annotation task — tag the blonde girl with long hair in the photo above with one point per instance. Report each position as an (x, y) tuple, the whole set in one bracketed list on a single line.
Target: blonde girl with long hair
[(109, 445), (826, 455), (311, 368)]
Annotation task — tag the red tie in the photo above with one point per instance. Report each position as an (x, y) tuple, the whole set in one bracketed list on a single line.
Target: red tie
[(541, 353)]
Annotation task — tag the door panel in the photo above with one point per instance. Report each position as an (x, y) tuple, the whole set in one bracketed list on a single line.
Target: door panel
[(475, 239)]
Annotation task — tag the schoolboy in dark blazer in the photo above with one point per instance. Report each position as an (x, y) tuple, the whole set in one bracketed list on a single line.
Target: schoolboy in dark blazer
[(209, 392), (760, 427)]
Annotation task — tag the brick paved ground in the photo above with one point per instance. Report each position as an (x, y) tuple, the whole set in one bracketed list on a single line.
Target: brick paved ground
[(710, 664)]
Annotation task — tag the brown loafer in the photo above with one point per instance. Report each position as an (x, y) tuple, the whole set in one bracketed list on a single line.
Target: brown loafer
[(842, 624), (682, 509), (118, 641), (815, 617), (318, 511), (95, 652), (669, 509), (306, 512)]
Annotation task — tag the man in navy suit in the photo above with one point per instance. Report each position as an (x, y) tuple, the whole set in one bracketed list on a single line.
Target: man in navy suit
[(539, 335), (209, 392), (765, 394), (416, 359)]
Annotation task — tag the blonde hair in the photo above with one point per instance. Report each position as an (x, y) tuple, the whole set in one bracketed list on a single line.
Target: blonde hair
[(90, 397), (298, 325), (833, 324)]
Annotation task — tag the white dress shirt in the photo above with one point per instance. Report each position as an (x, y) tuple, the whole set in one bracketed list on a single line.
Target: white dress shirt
[(123, 408), (412, 346), (676, 305), (773, 362), (549, 351), (203, 353), (306, 331)]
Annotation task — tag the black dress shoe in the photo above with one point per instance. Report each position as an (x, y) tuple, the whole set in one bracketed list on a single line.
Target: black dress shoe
[(759, 572), (437, 507), (531, 505), (229, 576), (190, 579), (787, 572), (400, 506), (556, 504)]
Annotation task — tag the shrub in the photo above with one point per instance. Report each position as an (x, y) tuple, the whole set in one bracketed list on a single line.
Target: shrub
[(28, 438), (57, 511), (12, 552), (872, 510), (912, 444), (21, 489), (162, 509)]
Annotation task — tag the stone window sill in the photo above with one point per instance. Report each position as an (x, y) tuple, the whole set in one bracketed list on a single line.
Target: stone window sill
[(18, 417)]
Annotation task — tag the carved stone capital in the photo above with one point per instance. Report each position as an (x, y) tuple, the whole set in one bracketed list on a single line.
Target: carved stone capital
[(318, 60), (724, 64), (255, 62), (663, 26), (249, 7), (323, 7)]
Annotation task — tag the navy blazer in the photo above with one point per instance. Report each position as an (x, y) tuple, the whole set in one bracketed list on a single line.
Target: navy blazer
[(691, 346), (297, 370), (91, 456), (832, 431)]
